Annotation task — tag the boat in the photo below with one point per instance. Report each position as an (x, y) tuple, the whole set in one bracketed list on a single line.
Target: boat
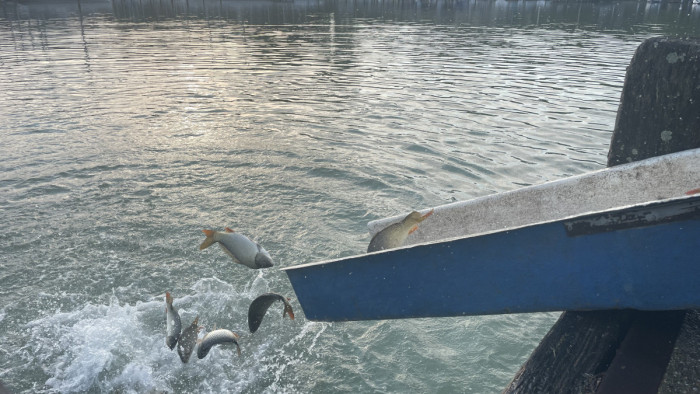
[(618, 238)]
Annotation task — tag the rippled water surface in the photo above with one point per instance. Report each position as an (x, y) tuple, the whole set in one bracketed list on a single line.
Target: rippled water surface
[(128, 127)]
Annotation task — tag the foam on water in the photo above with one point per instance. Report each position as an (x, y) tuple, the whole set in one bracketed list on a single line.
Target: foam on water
[(121, 347)]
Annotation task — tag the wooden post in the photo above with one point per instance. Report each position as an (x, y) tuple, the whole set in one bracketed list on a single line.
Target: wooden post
[(659, 113), (659, 109)]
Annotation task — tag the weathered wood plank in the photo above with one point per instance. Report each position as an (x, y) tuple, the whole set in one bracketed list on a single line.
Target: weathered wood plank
[(683, 371), (640, 361), (659, 110), (635, 183), (573, 355)]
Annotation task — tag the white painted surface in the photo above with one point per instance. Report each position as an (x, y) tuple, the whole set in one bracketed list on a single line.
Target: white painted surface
[(654, 179)]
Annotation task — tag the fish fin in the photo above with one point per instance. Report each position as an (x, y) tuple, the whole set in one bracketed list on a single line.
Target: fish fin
[(288, 311), (414, 228), (228, 230), (168, 298), (691, 192), (238, 349), (209, 240)]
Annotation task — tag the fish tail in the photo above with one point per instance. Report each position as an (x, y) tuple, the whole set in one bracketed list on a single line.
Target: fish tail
[(209, 240), (288, 310), (168, 298)]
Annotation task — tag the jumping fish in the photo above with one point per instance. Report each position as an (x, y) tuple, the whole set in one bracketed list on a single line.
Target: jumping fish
[(173, 324), (395, 235), (241, 249), (188, 340), (259, 307), (217, 337)]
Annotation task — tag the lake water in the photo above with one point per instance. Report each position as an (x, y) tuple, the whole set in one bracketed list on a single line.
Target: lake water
[(127, 127)]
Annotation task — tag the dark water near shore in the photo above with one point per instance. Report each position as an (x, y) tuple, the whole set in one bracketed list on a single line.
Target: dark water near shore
[(128, 126)]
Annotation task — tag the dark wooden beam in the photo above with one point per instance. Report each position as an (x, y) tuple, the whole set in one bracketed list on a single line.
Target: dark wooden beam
[(573, 355), (640, 361), (659, 110)]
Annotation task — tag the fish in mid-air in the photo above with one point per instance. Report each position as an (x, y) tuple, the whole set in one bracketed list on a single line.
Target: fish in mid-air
[(241, 249), (173, 325), (395, 235), (217, 337), (188, 340), (259, 307)]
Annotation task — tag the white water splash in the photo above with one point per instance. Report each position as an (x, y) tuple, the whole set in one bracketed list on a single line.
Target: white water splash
[(122, 347)]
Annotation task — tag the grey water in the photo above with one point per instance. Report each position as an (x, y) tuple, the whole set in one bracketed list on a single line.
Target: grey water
[(127, 127)]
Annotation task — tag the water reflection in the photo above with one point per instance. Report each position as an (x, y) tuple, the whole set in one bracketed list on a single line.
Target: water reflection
[(664, 17)]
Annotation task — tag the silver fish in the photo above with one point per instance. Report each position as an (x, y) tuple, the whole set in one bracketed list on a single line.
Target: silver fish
[(217, 337), (241, 249), (173, 325), (188, 340), (394, 235), (259, 307)]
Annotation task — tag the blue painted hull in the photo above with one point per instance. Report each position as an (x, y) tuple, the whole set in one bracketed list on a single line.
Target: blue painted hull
[(645, 257)]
